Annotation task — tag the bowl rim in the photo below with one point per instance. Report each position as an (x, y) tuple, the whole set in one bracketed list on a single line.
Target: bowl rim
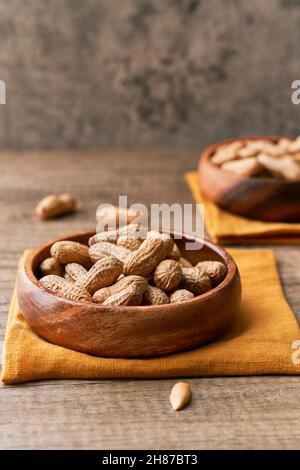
[(206, 154), (231, 266)]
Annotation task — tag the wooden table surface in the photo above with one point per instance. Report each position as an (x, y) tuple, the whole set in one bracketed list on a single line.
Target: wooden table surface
[(225, 413)]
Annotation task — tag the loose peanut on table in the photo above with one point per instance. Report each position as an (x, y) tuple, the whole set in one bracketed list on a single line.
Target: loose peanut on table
[(55, 205), (180, 395), (121, 268)]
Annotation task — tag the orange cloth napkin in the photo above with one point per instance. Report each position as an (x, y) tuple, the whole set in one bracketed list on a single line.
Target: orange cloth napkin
[(260, 340), (226, 228)]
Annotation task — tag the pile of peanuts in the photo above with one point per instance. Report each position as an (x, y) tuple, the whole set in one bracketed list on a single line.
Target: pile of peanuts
[(261, 158), (120, 268)]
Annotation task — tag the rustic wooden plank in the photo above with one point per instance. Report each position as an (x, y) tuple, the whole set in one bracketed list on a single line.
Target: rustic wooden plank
[(255, 413), (252, 412)]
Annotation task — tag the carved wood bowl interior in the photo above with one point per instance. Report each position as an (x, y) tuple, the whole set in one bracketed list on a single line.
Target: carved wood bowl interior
[(123, 331), (262, 198)]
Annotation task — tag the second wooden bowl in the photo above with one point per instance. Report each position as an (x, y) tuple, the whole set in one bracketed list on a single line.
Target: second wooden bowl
[(129, 331), (260, 198)]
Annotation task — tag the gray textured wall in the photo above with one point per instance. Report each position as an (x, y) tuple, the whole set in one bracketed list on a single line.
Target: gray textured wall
[(146, 73)]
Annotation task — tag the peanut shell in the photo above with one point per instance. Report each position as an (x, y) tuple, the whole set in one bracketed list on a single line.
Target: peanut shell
[(101, 249), (154, 296), (102, 294), (55, 205), (104, 272), (194, 280), (66, 252), (184, 263), (143, 261), (227, 152), (174, 253), (180, 295), (215, 270), (245, 167), (116, 215), (75, 271), (167, 275), (129, 242), (61, 286), (130, 295), (51, 266), (285, 167)]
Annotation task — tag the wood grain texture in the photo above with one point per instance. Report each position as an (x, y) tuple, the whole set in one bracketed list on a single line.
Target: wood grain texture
[(135, 331), (225, 413), (260, 198)]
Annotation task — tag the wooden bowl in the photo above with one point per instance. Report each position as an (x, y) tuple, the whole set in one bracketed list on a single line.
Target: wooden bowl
[(129, 331), (263, 198)]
